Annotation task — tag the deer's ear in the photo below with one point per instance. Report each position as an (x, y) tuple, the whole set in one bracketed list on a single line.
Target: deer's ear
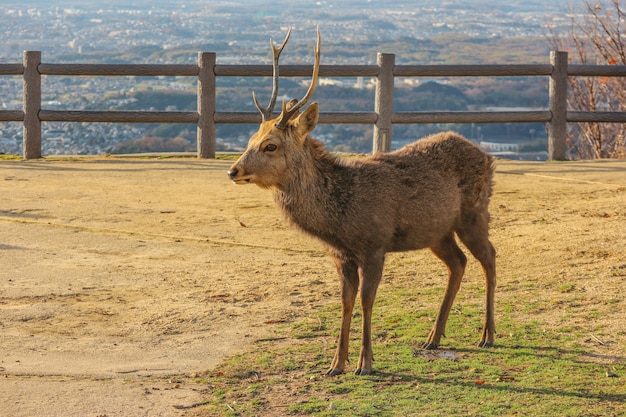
[(306, 122)]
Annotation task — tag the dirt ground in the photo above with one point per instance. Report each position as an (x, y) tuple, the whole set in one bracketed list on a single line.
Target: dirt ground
[(121, 279)]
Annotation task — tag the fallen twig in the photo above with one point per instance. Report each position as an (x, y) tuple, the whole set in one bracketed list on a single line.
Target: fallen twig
[(600, 342)]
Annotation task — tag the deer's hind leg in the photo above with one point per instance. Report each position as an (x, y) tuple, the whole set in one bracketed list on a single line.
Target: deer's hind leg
[(449, 252), (475, 236)]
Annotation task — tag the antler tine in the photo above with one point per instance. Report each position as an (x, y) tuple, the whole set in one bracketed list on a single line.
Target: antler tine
[(286, 115), (266, 113)]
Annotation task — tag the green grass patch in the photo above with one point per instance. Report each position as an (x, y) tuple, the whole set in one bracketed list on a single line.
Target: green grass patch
[(531, 368), (228, 156), (10, 157)]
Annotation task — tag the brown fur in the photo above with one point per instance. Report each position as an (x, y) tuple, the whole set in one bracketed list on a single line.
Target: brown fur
[(417, 197)]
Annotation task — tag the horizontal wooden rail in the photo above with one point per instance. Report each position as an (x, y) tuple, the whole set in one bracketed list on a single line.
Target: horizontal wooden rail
[(596, 117), (382, 118), (11, 116), (11, 69), (472, 117), (118, 116), (470, 70), (297, 70), (596, 70), (324, 118), (118, 69)]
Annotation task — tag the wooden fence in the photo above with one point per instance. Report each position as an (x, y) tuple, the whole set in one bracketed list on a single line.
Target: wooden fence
[(206, 117)]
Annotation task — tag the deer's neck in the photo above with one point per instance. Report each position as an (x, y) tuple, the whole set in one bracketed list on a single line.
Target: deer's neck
[(317, 192)]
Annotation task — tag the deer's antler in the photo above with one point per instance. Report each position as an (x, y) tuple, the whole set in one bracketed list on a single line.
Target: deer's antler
[(266, 113), (287, 114)]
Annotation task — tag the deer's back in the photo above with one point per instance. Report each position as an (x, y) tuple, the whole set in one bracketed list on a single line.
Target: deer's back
[(414, 196)]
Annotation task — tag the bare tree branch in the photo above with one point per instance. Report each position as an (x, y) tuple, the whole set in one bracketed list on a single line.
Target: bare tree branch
[(595, 38)]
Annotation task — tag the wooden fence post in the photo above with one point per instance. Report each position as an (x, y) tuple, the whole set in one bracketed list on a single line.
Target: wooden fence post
[(206, 105), (32, 105), (383, 104), (557, 128)]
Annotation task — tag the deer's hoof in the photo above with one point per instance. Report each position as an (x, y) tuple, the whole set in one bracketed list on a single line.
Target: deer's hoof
[(334, 372), (363, 372), (430, 346), (485, 344)]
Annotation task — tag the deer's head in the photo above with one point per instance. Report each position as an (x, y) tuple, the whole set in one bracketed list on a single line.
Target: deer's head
[(274, 147)]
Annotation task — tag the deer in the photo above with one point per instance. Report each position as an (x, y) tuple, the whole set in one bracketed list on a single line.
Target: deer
[(419, 196)]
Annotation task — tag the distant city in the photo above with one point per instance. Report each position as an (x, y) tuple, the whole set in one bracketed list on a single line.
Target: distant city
[(169, 31), (72, 28)]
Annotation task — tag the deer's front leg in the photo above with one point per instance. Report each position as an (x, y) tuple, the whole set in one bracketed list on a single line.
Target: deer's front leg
[(371, 273), (349, 276)]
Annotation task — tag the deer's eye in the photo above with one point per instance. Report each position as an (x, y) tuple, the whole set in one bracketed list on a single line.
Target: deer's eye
[(270, 148)]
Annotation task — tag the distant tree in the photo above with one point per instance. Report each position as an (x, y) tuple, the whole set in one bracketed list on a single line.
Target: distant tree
[(596, 36)]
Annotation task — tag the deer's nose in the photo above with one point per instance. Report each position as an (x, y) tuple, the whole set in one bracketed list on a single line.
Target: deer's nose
[(232, 173)]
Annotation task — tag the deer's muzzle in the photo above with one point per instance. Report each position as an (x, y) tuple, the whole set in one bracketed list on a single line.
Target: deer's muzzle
[(233, 173)]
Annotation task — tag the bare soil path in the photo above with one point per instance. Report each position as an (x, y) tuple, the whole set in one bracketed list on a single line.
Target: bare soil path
[(120, 280)]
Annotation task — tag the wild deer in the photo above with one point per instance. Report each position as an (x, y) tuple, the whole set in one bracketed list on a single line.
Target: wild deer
[(417, 197)]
